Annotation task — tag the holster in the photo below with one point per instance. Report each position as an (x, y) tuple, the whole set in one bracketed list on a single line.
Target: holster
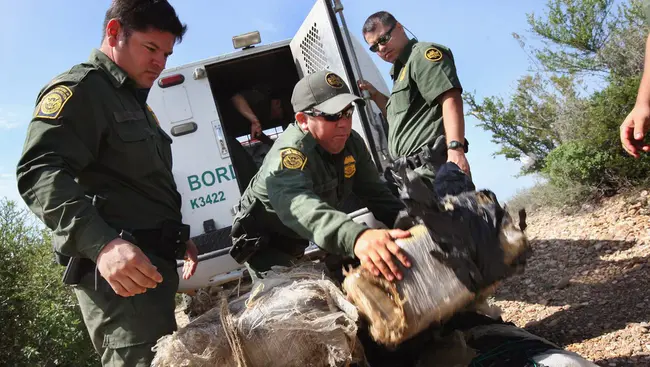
[(433, 155), (77, 267), (247, 235)]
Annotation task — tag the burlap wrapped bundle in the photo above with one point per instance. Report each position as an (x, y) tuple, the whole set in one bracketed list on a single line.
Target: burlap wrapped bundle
[(294, 317)]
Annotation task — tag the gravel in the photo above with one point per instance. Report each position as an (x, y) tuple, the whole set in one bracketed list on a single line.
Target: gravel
[(586, 285)]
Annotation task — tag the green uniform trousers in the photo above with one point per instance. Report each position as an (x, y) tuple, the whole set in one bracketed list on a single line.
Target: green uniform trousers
[(124, 329)]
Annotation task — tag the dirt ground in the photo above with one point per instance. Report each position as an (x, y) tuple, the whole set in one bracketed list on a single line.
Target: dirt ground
[(586, 285)]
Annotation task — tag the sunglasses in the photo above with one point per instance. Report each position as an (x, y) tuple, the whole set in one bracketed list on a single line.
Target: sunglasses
[(346, 113), (384, 39)]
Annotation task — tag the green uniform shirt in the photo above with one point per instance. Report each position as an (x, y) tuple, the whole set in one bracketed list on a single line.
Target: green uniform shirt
[(301, 186), (92, 133), (422, 72)]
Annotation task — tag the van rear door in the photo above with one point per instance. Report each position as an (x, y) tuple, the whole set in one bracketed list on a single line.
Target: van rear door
[(320, 44)]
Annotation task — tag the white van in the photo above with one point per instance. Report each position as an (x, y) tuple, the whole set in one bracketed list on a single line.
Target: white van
[(192, 103)]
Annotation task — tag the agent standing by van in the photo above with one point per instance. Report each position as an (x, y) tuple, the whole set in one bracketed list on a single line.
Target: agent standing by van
[(97, 170), (425, 102), (315, 164)]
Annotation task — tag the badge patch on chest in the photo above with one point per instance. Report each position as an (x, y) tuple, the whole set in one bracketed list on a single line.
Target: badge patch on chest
[(350, 166), (433, 54), (52, 103), (292, 159)]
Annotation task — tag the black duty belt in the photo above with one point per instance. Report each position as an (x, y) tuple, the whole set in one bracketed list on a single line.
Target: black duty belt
[(167, 242), (433, 154)]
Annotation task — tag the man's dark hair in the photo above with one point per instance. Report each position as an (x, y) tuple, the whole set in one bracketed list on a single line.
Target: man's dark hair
[(142, 15), (381, 17)]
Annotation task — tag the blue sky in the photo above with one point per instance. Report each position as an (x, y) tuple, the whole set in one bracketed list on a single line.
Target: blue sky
[(40, 39)]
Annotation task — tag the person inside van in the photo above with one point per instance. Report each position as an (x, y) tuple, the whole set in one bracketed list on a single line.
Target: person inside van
[(258, 105), (315, 164)]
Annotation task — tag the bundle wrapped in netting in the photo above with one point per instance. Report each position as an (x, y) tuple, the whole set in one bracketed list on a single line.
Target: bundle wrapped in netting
[(460, 247), (293, 317)]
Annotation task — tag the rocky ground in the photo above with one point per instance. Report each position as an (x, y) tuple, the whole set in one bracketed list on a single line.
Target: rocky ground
[(586, 286)]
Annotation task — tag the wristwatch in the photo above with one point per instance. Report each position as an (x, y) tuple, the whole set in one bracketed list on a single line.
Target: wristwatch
[(455, 145)]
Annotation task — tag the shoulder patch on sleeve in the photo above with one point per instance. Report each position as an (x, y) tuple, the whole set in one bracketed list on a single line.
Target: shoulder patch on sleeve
[(432, 54), (52, 103), (292, 159), (154, 115)]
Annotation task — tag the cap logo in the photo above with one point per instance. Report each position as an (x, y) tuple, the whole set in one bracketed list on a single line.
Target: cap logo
[(334, 80)]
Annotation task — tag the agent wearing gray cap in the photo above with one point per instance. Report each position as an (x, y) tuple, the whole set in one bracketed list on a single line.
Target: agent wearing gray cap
[(295, 197)]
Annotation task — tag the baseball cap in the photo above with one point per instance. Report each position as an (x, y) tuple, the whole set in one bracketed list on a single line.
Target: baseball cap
[(324, 91)]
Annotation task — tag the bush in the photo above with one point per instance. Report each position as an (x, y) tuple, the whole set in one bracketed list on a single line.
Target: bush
[(578, 163), (566, 117), (41, 322), (595, 158)]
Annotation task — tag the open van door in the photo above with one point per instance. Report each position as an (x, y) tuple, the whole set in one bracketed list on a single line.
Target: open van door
[(321, 43)]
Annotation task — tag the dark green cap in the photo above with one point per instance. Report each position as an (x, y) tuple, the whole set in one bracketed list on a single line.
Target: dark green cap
[(324, 91)]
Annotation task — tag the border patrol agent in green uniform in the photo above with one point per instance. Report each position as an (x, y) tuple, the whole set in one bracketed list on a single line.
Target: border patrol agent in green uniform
[(315, 164), (97, 169), (425, 108)]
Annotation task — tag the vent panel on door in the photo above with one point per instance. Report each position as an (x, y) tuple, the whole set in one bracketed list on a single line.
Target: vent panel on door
[(312, 51)]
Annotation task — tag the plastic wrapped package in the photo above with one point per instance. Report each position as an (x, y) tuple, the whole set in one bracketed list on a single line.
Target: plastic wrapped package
[(292, 317), (429, 292), (460, 246)]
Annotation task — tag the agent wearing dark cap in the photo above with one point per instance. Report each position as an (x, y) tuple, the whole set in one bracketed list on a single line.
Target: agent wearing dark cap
[(315, 164)]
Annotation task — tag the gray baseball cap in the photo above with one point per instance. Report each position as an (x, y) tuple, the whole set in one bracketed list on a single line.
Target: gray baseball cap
[(324, 91)]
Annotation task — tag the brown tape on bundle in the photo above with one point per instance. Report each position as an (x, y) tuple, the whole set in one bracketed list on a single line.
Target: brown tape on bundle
[(430, 292), (397, 311)]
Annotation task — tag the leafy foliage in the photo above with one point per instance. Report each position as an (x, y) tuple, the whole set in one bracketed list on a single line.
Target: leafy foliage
[(42, 323), (573, 31), (526, 126), (571, 135)]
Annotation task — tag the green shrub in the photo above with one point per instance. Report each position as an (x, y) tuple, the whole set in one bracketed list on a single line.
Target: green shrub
[(578, 163), (41, 321)]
